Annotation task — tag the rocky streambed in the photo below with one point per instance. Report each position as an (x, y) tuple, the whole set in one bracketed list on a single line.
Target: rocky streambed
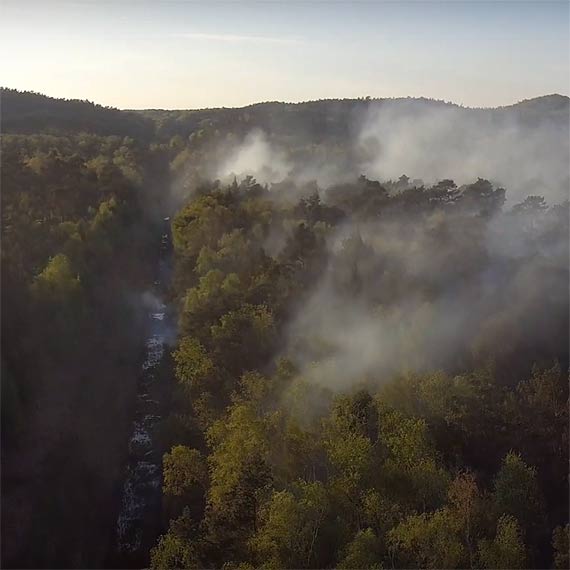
[(138, 522)]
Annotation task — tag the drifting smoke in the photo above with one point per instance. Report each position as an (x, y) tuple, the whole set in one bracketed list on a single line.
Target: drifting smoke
[(432, 295), (258, 158), (525, 152), (441, 290), (433, 143), (271, 162)]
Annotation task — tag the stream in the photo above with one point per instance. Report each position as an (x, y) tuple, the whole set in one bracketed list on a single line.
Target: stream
[(138, 522)]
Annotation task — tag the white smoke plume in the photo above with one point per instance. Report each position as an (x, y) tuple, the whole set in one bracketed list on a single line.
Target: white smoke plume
[(432, 296), (256, 157), (525, 151), (505, 286), (437, 142)]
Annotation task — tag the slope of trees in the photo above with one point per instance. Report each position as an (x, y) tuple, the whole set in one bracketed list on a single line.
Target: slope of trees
[(75, 253), (367, 375), (287, 453), (27, 112), (323, 121)]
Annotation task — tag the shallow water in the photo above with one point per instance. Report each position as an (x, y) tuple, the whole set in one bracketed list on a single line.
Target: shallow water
[(141, 493)]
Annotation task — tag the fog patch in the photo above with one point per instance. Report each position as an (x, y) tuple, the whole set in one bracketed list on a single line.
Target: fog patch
[(434, 142)]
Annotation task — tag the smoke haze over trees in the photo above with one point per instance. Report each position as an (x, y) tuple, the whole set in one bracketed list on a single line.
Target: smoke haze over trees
[(370, 362)]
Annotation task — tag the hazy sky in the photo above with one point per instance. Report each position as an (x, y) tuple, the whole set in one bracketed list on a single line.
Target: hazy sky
[(182, 54)]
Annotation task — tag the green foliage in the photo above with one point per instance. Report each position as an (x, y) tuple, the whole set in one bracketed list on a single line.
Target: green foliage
[(201, 224), (561, 547), (194, 367), (379, 511), (428, 541), (268, 465), (209, 300), (299, 478), (74, 255), (517, 492), (412, 461), (244, 337), (507, 550), (234, 253), (183, 468), (175, 549), (239, 476), (289, 532), (542, 413), (57, 281), (237, 440), (350, 437), (363, 552), (172, 552), (350, 454)]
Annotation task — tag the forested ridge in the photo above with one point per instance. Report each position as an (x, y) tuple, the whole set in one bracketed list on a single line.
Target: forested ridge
[(366, 373), (27, 112), (73, 252), (287, 454), (79, 247)]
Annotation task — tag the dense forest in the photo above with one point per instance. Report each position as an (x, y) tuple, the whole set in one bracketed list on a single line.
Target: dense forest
[(74, 251), (78, 227), (369, 379), (366, 371)]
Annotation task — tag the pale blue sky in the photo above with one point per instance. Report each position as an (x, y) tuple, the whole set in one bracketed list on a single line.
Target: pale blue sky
[(182, 54)]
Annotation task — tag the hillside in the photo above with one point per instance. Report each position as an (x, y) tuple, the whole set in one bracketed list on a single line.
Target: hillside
[(308, 335), (25, 112), (317, 121), (330, 117)]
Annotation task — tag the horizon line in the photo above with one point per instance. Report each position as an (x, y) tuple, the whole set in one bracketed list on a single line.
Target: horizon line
[(278, 102)]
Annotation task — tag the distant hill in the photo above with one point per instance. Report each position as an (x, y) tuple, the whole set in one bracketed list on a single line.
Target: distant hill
[(31, 113), (314, 121), (544, 103), (553, 108), (333, 118)]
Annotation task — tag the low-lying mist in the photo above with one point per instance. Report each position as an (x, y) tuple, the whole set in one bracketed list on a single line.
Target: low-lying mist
[(414, 294), (463, 144), (440, 275), (425, 140)]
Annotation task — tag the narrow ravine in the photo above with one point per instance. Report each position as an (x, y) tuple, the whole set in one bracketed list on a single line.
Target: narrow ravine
[(139, 516)]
